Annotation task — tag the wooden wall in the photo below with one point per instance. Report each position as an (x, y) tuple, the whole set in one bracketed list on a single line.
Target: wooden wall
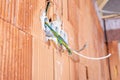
[(114, 60), (15, 40), (24, 54)]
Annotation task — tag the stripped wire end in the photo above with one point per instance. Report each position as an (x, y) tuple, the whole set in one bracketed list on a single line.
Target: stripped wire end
[(84, 46)]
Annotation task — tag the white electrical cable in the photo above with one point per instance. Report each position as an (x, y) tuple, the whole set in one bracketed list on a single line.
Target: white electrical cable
[(91, 58)]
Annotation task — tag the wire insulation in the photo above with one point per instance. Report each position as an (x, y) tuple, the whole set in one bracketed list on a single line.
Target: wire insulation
[(91, 58)]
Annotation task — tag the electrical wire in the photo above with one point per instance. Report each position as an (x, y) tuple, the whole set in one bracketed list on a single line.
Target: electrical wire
[(91, 58)]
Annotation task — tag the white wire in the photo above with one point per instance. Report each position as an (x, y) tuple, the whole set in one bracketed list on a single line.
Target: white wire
[(91, 58)]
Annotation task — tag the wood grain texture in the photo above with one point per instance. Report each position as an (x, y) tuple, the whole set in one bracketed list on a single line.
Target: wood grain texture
[(15, 43), (25, 55)]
